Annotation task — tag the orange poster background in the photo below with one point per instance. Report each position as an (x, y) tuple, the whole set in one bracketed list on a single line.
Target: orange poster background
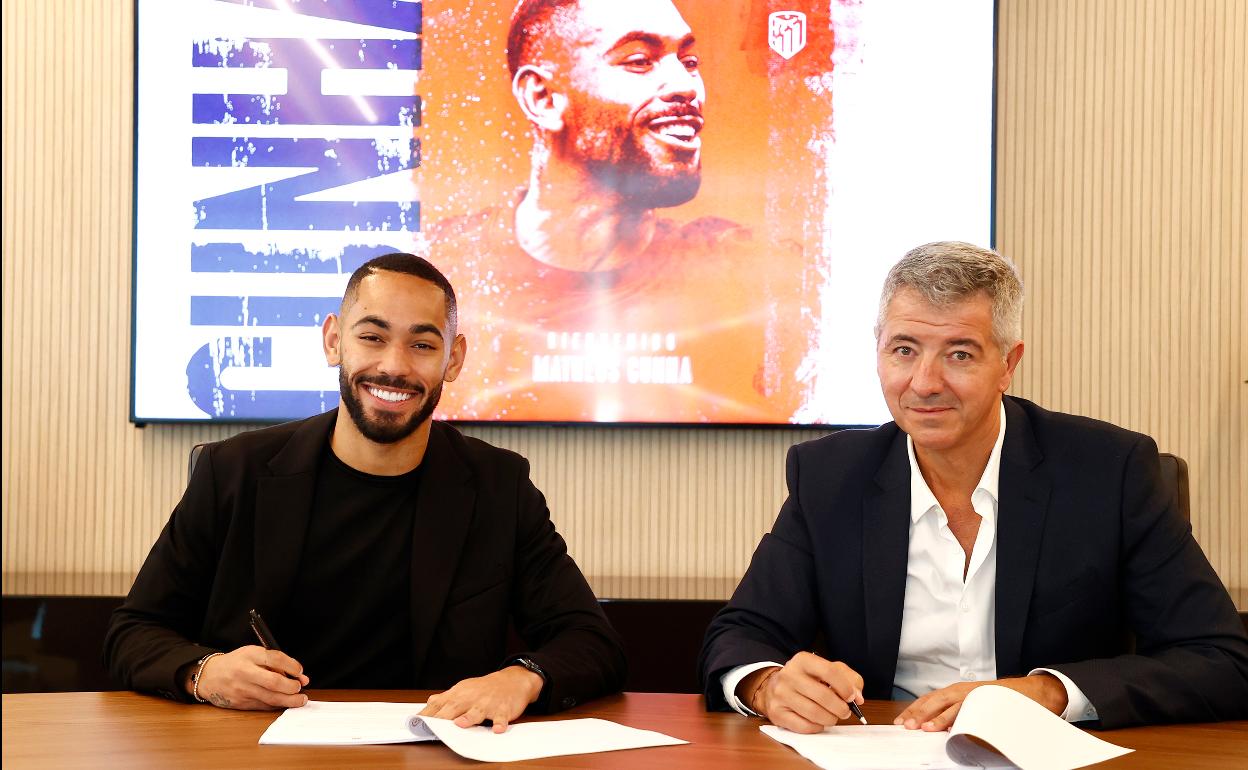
[(767, 119)]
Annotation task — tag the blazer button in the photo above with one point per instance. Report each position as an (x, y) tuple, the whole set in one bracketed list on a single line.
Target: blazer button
[(569, 702)]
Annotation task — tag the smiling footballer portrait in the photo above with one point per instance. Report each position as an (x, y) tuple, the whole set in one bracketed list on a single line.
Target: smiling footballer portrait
[(595, 303)]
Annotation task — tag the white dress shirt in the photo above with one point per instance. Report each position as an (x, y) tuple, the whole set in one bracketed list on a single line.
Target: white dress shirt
[(948, 623)]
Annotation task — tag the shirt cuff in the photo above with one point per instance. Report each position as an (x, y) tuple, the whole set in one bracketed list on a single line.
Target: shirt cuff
[(733, 677), (1078, 707)]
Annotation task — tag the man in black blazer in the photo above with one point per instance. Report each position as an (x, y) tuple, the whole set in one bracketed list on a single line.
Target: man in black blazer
[(976, 539), (385, 550)]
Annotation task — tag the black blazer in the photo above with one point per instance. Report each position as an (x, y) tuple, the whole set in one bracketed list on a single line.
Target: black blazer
[(1090, 549), (484, 553)]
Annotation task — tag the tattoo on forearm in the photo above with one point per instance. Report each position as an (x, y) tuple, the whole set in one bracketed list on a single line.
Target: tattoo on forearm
[(217, 699)]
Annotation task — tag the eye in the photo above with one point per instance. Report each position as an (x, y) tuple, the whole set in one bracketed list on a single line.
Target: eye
[(960, 355), (691, 63), (903, 350), (369, 338), (638, 62), (423, 346)]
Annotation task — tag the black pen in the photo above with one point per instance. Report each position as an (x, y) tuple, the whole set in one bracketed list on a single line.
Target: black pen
[(263, 633), (857, 712), (265, 636)]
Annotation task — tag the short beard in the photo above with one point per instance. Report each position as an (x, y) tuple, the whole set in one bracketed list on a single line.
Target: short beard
[(386, 430), (635, 181), (617, 161)]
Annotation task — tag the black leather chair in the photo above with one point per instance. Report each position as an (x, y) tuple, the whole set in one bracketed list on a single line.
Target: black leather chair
[(1174, 475), (190, 466)]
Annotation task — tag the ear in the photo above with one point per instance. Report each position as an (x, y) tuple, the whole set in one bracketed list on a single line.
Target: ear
[(459, 351), (1011, 363), (538, 99), (331, 340)]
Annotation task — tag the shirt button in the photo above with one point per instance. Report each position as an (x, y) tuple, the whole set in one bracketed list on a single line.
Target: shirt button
[(966, 606), (968, 676), (569, 702)]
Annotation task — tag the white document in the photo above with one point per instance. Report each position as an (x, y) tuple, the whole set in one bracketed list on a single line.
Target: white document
[(535, 740), (1023, 733), (868, 747), (1030, 735), (326, 723)]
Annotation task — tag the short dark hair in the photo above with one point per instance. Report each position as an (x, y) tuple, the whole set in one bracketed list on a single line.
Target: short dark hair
[(530, 22), (408, 264)]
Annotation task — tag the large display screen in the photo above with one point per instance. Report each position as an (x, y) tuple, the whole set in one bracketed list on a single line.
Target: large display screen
[(652, 211)]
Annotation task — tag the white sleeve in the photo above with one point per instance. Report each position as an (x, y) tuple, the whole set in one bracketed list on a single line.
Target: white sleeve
[(733, 677), (1078, 707)]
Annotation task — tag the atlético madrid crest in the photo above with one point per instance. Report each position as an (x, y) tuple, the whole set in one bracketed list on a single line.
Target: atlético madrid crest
[(786, 32)]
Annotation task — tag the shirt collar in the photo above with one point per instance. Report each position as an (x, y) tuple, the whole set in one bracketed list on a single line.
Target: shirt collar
[(921, 498)]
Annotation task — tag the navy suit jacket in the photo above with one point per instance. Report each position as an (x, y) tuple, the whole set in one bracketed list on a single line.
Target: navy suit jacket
[(484, 555), (1098, 575)]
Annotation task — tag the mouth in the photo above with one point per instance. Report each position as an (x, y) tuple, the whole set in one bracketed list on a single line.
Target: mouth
[(388, 396), (680, 131), (930, 410)]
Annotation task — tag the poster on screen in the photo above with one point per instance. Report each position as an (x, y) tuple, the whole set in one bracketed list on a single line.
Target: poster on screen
[(653, 212)]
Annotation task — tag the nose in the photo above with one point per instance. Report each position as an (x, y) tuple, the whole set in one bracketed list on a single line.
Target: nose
[(680, 84), (394, 360), (928, 378)]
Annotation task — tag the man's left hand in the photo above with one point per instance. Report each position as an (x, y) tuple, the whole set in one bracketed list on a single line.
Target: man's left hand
[(937, 710), (500, 697)]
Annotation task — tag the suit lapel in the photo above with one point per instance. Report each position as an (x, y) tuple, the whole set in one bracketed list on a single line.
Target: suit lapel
[(1020, 526), (283, 508), (885, 549), (443, 517)]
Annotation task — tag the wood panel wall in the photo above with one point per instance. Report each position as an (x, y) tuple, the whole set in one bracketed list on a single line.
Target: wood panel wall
[(1120, 192)]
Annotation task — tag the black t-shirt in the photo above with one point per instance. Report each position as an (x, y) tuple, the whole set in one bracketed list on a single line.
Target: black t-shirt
[(348, 618)]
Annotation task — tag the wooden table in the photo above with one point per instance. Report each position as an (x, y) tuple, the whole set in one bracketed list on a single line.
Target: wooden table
[(122, 729)]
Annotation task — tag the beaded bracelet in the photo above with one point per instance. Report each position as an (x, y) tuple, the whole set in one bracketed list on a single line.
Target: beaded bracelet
[(198, 673)]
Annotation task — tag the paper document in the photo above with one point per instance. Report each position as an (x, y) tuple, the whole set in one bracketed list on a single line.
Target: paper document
[(326, 723), (1021, 732), (535, 740), (1033, 737), (868, 747)]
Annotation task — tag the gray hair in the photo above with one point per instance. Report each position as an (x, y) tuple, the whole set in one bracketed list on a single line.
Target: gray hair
[(948, 272)]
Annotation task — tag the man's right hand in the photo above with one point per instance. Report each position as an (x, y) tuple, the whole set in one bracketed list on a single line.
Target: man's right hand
[(251, 678), (806, 695)]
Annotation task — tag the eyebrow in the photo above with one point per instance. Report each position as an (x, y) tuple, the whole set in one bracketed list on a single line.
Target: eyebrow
[(422, 328), (650, 39), (901, 338), (964, 342)]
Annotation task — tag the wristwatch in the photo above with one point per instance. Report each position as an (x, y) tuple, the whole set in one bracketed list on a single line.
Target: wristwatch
[(528, 663)]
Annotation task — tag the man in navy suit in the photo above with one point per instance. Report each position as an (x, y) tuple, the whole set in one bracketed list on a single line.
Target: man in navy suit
[(976, 539)]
